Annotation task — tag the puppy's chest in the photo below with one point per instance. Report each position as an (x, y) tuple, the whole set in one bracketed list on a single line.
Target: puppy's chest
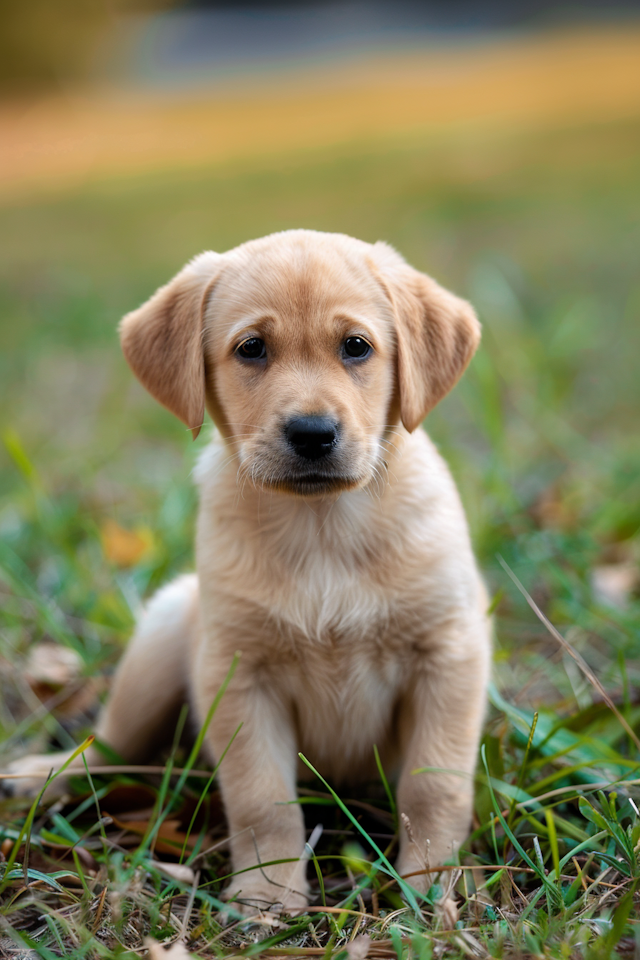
[(329, 602), (340, 690), (341, 663), (333, 599)]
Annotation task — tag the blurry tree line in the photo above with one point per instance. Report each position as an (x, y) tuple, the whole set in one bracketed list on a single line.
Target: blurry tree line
[(46, 42)]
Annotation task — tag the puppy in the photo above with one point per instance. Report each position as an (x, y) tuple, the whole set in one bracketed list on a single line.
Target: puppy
[(332, 548)]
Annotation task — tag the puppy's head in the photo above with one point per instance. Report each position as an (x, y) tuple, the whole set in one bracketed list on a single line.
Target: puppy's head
[(307, 349)]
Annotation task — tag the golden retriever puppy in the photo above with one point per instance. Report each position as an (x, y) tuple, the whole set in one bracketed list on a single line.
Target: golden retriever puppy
[(332, 548)]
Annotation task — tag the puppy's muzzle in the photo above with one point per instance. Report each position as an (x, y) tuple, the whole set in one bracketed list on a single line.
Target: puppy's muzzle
[(312, 437)]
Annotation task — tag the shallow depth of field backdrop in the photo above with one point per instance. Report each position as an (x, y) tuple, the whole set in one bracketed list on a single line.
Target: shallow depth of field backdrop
[(499, 152)]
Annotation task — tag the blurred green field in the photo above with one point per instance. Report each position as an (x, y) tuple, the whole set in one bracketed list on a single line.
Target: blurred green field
[(539, 228)]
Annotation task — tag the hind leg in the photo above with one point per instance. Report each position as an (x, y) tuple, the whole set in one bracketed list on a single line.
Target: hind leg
[(152, 679), (148, 689)]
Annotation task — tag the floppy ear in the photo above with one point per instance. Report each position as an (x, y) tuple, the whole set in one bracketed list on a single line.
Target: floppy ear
[(162, 340), (437, 334)]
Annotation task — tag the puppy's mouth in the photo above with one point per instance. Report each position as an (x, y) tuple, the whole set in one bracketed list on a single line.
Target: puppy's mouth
[(276, 468), (311, 484)]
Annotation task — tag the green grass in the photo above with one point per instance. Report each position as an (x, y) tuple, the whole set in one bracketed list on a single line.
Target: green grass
[(540, 231)]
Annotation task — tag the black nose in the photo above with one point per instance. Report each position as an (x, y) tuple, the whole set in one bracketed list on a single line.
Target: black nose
[(312, 437)]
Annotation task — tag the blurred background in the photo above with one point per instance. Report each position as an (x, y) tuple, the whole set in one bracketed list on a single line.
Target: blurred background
[(495, 144)]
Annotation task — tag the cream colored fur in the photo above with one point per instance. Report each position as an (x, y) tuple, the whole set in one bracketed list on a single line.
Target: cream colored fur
[(356, 604)]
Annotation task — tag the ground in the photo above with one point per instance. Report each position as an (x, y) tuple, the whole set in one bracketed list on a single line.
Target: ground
[(537, 224)]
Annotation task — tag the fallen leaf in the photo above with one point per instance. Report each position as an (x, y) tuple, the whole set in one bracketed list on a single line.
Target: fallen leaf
[(52, 664), (358, 948), (125, 547), (613, 583), (447, 912), (53, 672)]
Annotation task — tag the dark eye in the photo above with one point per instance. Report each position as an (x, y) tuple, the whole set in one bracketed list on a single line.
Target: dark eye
[(356, 348), (252, 349)]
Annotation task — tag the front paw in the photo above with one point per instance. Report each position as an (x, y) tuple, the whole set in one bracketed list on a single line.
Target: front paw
[(263, 902), (415, 872), (446, 910), (421, 879)]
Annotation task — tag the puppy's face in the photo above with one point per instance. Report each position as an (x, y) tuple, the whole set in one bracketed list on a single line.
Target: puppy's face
[(299, 344), (307, 349)]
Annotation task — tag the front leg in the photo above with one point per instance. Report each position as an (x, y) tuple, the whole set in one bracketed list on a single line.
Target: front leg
[(441, 722), (257, 780)]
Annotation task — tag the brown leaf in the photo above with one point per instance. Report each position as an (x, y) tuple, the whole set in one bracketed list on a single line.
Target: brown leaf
[(125, 547), (358, 948), (52, 664), (53, 672)]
